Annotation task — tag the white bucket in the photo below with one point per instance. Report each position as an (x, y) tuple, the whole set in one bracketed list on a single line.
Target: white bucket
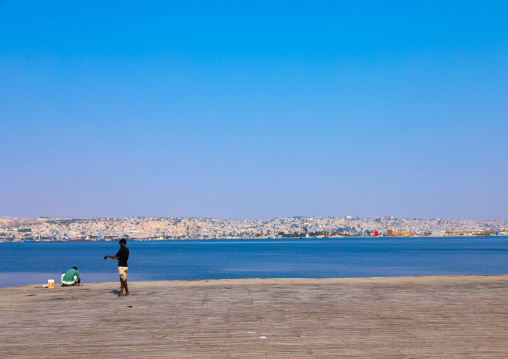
[(51, 283)]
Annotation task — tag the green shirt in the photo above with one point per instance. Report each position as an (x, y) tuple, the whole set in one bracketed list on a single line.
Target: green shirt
[(69, 275)]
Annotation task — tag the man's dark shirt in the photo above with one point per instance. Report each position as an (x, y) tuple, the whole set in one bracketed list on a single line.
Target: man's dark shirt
[(123, 255)]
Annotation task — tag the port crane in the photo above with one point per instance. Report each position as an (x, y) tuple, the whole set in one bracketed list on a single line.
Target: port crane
[(407, 228)]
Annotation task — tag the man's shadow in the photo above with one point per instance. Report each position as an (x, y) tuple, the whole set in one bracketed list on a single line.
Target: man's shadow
[(114, 291)]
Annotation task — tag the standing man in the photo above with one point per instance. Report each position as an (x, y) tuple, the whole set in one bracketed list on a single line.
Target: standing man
[(122, 256)]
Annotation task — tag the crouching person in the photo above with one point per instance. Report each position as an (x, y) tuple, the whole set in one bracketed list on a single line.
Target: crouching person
[(71, 277)]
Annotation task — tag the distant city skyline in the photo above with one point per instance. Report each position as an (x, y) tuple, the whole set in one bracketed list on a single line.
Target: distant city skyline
[(261, 109), (54, 229)]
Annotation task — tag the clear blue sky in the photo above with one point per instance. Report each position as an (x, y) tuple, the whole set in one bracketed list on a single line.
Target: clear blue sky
[(254, 109)]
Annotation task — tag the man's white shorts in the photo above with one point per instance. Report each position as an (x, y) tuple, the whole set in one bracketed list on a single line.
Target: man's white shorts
[(68, 283), (122, 271)]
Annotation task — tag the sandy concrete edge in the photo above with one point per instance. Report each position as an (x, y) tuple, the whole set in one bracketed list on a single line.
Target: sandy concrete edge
[(254, 281)]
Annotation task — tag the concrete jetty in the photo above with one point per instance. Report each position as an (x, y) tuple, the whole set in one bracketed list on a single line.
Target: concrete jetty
[(403, 317)]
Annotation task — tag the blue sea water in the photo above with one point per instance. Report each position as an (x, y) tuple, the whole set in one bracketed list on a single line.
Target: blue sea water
[(36, 262)]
